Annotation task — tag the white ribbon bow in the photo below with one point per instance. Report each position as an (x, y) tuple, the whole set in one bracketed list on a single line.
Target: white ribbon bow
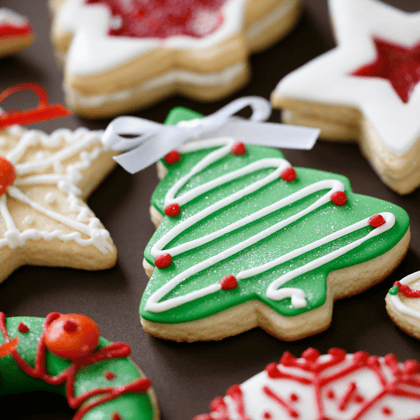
[(153, 140)]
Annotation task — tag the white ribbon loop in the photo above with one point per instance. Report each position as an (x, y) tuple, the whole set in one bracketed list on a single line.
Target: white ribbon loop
[(153, 141)]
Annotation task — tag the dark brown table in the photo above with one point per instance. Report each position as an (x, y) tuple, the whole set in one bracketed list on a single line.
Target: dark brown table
[(187, 376)]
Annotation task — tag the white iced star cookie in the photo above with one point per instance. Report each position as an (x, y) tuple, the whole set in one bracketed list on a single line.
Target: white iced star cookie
[(366, 89), (119, 55), (43, 182), (16, 33)]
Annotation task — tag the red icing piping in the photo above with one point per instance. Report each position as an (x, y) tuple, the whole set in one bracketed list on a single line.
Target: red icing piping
[(112, 351), (271, 394), (406, 290), (9, 31)]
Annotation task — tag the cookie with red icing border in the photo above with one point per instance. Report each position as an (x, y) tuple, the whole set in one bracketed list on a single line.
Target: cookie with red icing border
[(120, 56), (336, 386), (245, 239), (366, 89), (16, 32), (66, 354)]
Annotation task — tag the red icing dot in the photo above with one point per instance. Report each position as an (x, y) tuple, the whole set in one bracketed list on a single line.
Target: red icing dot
[(23, 328), (387, 411), (294, 397), (288, 174), (339, 198), (7, 174), (72, 336), (359, 399), (411, 367), (229, 282), (272, 370), (238, 148), (172, 210), (311, 354), (330, 394), (161, 19), (163, 261), (115, 416), (109, 375), (376, 221), (267, 415), (172, 157)]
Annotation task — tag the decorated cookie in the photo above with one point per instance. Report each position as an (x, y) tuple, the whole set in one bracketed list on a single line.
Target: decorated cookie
[(403, 304), (66, 354), (44, 180), (119, 56), (16, 33), (366, 89), (245, 239), (337, 386)]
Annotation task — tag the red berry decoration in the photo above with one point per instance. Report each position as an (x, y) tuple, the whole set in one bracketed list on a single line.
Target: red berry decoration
[(172, 210), (229, 282), (109, 375), (238, 148), (7, 174), (23, 328), (163, 261), (376, 221), (172, 157), (115, 416), (339, 198), (288, 174), (72, 336)]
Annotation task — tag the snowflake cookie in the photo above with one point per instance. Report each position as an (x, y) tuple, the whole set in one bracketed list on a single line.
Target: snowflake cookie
[(366, 89), (43, 182), (247, 240), (336, 386), (16, 33), (120, 55)]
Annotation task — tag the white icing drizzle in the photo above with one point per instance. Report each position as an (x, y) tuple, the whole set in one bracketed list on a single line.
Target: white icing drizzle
[(29, 220), (12, 18), (297, 296), (75, 144), (398, 304)]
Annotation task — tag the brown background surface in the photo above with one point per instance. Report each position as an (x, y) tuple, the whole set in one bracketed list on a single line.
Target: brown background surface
[(187, 376)]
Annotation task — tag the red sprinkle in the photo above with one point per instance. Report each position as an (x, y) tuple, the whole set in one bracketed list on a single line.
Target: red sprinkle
[(339, 198), (229, 282), (288, 174), (330, 394), (172, 210), (109, 375), (238, 148), (172, 157), (359, 398), (267, 415), (115, 416), (7, 174), (387, 411), (376, 221), (23, 328), (163, 261), (294, 397), (70, 326)]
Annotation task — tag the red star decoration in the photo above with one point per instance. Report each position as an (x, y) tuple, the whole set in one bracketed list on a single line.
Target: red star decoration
[(398, 64)]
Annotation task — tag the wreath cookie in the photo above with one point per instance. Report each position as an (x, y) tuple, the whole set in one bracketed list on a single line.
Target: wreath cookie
[(16, 33), (120, 56), (247, 240), (337, 386), (366, 89), (44, 180), (66, 354)]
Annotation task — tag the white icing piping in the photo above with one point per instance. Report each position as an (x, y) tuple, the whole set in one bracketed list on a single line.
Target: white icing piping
[(153, 304), (12, 18), (398, 304), (67, 182)]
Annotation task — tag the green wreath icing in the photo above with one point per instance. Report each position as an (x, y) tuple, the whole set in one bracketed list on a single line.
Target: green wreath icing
[(325, 220), (113, 372)]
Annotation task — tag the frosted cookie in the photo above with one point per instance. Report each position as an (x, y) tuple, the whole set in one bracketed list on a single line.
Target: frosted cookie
[(121, 56), (66, 354), (337, 386), (16, 33), (403, 304), (366, 89), (44, 180), (247, 240)]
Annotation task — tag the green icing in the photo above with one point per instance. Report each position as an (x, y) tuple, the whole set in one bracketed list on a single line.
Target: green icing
[(13, 380), (318, 224), (393, 290)]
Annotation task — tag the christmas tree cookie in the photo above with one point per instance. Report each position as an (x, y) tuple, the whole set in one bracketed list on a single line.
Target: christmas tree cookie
[(66, 354), (248, 240)]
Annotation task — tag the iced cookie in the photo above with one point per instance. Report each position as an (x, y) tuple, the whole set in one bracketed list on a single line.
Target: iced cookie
[(403, 304), (120, 56), (366, 89), (66, 354), (248, 240), (337, 386), (44, 180), (16, 33)]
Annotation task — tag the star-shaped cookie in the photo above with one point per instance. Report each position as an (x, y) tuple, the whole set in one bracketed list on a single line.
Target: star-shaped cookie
[(366, 89), (119, 56), (43, 182)]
